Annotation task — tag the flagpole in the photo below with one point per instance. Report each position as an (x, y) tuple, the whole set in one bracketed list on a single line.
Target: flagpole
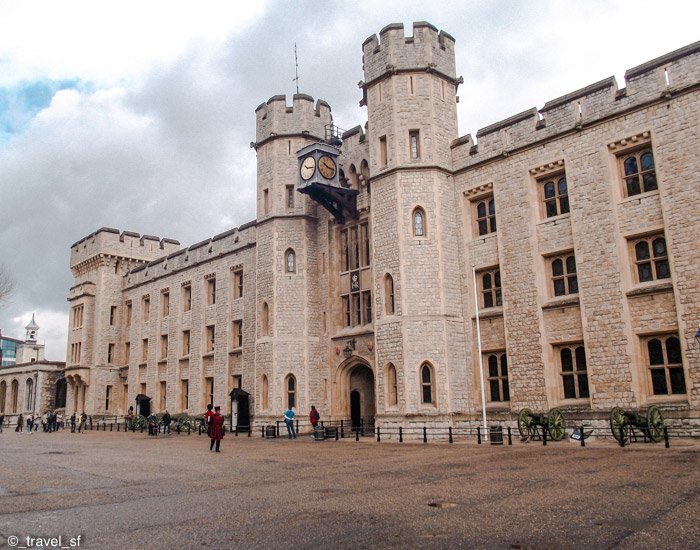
[(478, 345)]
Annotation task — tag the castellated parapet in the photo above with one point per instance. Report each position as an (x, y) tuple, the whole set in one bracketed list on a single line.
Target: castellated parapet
[(107, 241), (427, 50), (275, 118), (660, 79)]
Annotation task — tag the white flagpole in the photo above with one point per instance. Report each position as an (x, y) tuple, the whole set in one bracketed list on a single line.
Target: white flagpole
[(481, 366)]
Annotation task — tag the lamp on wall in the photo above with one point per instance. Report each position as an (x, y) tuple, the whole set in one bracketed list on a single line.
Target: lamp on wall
[(349, 348), (697, 334)]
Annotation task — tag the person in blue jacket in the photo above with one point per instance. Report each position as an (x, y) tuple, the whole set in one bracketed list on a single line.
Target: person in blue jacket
[(289, 421)]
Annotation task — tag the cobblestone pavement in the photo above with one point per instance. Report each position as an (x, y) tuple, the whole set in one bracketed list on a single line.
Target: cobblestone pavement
[(120, 491)]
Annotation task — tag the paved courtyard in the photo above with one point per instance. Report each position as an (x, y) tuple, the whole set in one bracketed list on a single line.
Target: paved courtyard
[(116, 490)]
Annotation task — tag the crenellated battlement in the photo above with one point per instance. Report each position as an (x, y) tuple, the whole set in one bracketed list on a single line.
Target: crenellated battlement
[(275, 118), (660, 79), (108, 241), (427, 50), (207, 250)]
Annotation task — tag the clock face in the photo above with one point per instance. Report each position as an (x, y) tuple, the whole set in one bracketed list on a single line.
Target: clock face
[(308, 167), (326, 165)]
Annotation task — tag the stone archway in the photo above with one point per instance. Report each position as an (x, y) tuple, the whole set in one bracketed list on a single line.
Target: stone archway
[(355, 396)]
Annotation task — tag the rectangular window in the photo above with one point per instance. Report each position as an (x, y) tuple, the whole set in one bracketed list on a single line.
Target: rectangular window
[(485, 215), (163, 395), (110, 353), (146, 308), (490, 288), (112, 315), (186, 298), (665, 365), (185, 342), (651, 258), (383, 154), (108, 396), (555, 195), (165, 304), (572, 362), (354, 249), (356, 309), (238, 284), (563, 272), (344, 251), (346, 311), (290, 196), (414, 139), (163, 346), (127, 352), (367, 306), (364, 245), (144, 350), (211, 291), (210, 339), (497, 363), (78, 316), (209, 389), (237, 334), (127, 320), (185, 394), (638, 172), (266, 201)]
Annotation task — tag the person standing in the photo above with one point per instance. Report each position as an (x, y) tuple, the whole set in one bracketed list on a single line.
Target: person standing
[(166, 422), (20, 424), (207, 418), (314, 417), (2, 421), (72, 423), (289, 422), (216, 429), (30, 423)]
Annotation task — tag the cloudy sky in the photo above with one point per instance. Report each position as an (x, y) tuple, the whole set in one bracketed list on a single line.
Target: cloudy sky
[(138, 114)]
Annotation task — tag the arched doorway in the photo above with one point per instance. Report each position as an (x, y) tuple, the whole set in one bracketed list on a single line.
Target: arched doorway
[(354, 395)]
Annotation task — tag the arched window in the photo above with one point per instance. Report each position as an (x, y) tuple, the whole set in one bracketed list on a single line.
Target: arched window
[(651, 258), (640, 174), (3, 395), (364, 173), (290, 263), (14, 392), (265, 320), (426, 381), (389, 303), (291, 389), (265, 393), (419, 229), (29, 395), (666, 365), (392, 386)]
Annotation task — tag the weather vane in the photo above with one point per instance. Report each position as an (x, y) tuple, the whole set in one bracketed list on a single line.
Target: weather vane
[(296, 68)]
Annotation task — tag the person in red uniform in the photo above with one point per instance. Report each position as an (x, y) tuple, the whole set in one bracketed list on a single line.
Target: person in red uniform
[(216, 429), (207, 418)]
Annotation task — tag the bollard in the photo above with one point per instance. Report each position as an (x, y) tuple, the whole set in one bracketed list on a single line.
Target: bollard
[(379, 437), (342, 431), (357, 433), (199, 430), (400, 434), (112, 426), (337, 434), (666, 442), (262, 432), (544, 435), (450, 429), (583, 436), (250, 430), (510, 436), (478, 435), (425, 434)]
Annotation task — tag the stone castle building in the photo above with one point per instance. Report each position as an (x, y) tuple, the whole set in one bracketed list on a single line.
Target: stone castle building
[(575, 226)]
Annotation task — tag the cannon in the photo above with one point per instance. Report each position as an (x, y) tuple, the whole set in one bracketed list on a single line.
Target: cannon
[(529, 424), (651, 424)]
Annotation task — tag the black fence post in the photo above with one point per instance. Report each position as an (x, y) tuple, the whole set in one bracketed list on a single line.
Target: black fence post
[(362, 426), (544, 435), (337, 434), (510, 436), (450, 430), (478, 435), (666, 441), (189, 429), (425, 434), (622, 437), (250, 430), (357, 434), (379, 436), (583, 436), (400, 434), (342, 430)]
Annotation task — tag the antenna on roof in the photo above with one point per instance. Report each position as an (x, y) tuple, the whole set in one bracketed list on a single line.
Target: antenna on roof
[(296, 68)]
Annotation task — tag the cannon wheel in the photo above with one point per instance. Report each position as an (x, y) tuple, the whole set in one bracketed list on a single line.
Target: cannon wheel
[(556, 424), (525, 425), (655, 424), (618, 424)]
